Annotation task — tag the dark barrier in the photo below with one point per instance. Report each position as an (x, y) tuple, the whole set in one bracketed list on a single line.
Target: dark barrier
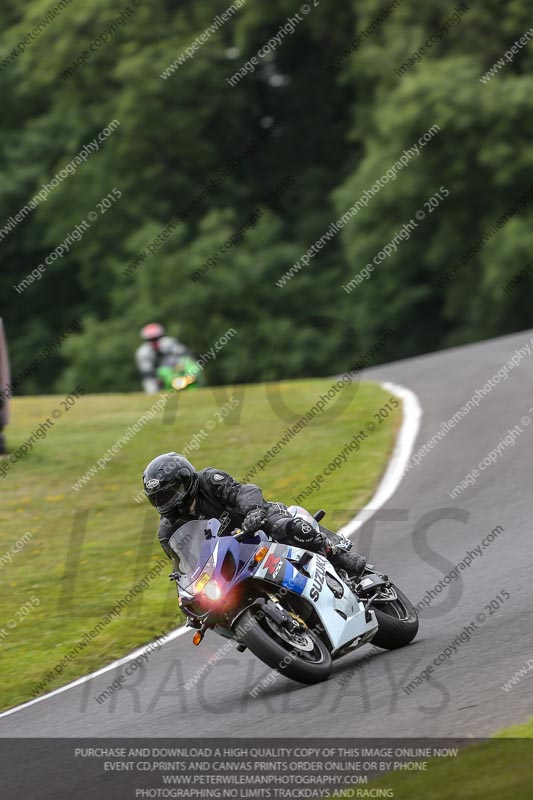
[(4, 383)]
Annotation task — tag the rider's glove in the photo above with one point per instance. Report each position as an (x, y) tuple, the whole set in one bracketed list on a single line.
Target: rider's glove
[(254, 520), (302, 532)]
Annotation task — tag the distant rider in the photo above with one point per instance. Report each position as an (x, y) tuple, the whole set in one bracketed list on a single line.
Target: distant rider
[(181, 494), (157, 351)]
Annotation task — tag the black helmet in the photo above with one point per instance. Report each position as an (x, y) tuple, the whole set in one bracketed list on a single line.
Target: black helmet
[(170, 481)]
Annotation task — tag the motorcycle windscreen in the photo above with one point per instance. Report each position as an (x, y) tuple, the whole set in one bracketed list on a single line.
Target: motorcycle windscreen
[(4, 379), (302, 513), (192, 546)]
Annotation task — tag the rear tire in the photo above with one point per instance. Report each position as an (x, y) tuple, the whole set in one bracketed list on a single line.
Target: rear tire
[(397, 621), (258, 633)]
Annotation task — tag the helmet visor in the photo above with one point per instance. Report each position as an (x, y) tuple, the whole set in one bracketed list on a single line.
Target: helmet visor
[(169, 496)]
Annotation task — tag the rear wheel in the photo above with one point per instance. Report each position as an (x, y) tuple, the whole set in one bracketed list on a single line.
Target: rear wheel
[(298, 654), (397, 619)]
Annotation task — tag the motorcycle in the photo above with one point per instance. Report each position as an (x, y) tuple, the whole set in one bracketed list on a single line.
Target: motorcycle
[(180, 376), (288, 606)]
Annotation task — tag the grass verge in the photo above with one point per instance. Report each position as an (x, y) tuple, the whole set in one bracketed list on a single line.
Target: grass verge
[(498, 769)]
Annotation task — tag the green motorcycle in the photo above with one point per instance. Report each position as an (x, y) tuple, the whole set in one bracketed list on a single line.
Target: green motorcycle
[(181, 376)]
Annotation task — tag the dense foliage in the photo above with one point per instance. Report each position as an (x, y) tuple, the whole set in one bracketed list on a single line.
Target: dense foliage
[(271, 162)]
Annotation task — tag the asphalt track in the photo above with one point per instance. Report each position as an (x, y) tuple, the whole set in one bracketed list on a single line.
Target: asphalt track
[(364, 696)]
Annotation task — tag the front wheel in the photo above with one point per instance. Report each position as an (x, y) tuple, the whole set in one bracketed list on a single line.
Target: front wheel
[(299, 654), (397, 619)]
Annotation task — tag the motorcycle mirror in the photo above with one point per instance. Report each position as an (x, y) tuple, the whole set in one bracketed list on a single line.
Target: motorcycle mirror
[(319, 515)]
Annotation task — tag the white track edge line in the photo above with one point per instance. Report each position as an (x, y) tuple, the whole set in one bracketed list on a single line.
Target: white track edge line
[(412, 413), (168, 637)]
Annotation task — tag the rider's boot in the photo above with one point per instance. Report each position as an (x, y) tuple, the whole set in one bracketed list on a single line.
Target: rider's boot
[(353, 565), (336, 550), (334, 547)]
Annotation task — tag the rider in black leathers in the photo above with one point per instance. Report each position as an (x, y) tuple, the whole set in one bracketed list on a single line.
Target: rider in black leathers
[(181, 494)]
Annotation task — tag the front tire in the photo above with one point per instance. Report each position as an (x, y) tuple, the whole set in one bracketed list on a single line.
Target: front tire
[(397, 621), (303, 656)]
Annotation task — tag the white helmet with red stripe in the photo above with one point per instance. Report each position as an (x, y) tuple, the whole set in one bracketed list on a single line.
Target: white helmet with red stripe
[(152, 331)]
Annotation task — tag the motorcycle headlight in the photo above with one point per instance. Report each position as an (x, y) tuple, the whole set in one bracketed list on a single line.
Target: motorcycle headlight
[(212, 591)]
